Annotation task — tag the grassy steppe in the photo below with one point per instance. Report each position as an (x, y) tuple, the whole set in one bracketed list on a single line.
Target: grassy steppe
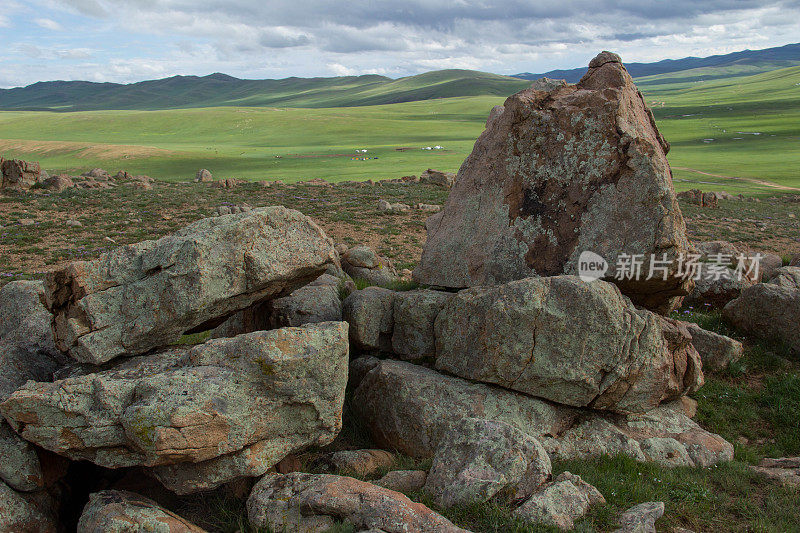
[(712, 126)]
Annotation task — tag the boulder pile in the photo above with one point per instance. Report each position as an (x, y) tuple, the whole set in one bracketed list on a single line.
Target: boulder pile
[(212, 357)]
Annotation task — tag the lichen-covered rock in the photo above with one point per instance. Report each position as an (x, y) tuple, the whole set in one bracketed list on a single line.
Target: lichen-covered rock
[(664, 435), (144, 296), (784, 470), (410, 408), (582, 167), (27, 352), (565, 340), (369, 313), (716, 351), (22, 513), (769, 264), (560, 503), (403, 480), (362, 262), (768, 311), (641, 518), (117, 511), (203, 415), (788, 277), (301, 502), (478, 458), (415, 313)]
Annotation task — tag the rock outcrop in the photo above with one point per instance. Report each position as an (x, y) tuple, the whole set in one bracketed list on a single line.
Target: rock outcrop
[(565, 340), (311, 502), (370, 315), (113, 510), (410, 408), (768, 311), (580, 168), (203, 415), (144, 296)]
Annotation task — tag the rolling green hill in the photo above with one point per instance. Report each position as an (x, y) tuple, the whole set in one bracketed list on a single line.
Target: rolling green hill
[(728, 133), (221, 90)]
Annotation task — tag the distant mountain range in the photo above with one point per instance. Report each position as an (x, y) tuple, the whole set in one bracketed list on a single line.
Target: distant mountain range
[(761, 60), (223, 90)]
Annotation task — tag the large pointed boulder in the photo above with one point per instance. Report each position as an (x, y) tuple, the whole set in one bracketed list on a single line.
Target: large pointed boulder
[(577, 168)]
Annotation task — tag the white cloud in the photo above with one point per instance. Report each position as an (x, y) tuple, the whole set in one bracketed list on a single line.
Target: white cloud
[(49, 24), (4, 22)]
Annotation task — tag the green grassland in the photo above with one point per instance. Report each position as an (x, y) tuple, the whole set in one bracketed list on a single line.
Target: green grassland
[(294, 143)]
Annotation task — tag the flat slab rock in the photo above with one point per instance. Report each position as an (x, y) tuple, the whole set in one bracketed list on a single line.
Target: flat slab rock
[(577, 168), (567, 341), (411, 408), (113, 510), (201, 415), (311, 502), (560, 502), (146, 295)]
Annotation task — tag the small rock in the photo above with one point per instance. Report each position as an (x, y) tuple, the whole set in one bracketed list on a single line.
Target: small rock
[(788, 277), (716, 351), (27, 222), (72, 223), (785, 470), (561, 502), (203, 175), (641, 518), (436, 177), (403, 480), (300, 502), (360, 462), (478, 458), (429, 208)]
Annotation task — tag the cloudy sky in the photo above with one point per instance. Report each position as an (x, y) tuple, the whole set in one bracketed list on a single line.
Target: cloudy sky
[(132, 40)]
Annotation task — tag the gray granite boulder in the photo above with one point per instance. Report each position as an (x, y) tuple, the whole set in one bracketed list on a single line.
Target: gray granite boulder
[(768, 311), (478, 458), (411, 409), (565, 340), (414, 315), (144, 296), (788, 277), (716, 351), (25, 513), (370, 315), (559, 503), (200, 416)]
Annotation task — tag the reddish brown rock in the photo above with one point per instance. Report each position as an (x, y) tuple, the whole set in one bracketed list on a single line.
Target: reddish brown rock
[(582, 167)]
